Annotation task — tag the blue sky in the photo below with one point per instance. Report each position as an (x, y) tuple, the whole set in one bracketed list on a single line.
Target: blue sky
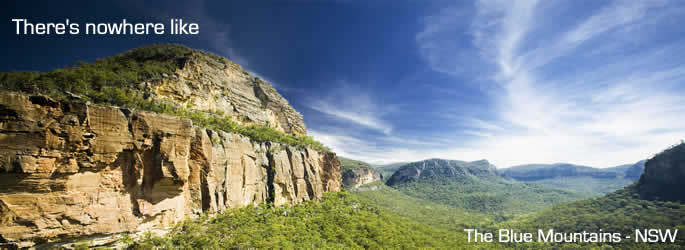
[(598, 83)]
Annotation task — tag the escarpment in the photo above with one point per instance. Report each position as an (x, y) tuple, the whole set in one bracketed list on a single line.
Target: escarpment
[(353, 178), (663, 175), (70, 169), (167, 78), (439, 167), (206, 83)]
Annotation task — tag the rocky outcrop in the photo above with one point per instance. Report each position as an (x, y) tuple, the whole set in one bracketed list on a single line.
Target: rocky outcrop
[(210, 83), (443, 168), (663, 175), (353, 178), (70, 170)]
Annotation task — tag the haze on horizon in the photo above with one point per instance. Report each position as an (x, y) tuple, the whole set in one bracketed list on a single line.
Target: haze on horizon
[(597, 83)]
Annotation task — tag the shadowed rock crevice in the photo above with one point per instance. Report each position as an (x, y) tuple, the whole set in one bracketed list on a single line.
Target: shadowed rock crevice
[(310, 182), (271, 172), (80, 170)]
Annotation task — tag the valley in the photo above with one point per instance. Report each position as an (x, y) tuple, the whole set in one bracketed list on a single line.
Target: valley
[(596, 181), (437, 200), (168, 147)]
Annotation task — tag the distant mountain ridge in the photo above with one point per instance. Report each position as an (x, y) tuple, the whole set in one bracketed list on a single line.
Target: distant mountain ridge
[(441, 167), (388, 169), (532, 172), (656, 200), (476, 186), (577, 177)]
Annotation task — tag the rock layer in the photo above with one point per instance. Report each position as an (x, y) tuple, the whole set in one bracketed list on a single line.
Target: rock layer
[(209, 83), (439, 167), (70, 170), (353, 178)]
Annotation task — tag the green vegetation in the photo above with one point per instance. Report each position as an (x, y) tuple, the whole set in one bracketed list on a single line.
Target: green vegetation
[(346, 163), (476, 186), (434, 214), (596, 181), (586, 184), (115, 81), (339, 220), (108, 80), (432, 211), (664, 175), (654, 202), (621, 212), (426, 212), (488, 194), (389, 169), (386, 218)]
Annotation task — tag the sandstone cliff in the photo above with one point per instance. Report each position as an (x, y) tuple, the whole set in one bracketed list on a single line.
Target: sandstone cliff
[(439, 167), (69, 169), (170, 76), (356, 173), (210, 83), (353, 178)]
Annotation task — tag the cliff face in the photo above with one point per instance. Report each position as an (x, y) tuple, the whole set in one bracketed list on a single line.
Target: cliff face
[(663, 176), (439, 167), (70, 170), (353, 178), (207, 83)]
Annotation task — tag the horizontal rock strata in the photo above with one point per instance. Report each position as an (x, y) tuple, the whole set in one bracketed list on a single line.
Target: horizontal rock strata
[(212, 84), (70, 170), (353, 178)]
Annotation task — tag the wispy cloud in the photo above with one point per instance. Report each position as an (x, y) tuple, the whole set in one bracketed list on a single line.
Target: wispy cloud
[(353, 105), (370, 149), (602, 90)]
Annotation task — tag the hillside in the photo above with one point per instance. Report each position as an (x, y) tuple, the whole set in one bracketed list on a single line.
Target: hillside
[(664, 176), (143, 140), (388, 169), (339, 220), (356, 173), (347, 163), (439, 167), (622, 211), (476, 186), (577, 178), (655, 201), (424, 211), (211, 91)]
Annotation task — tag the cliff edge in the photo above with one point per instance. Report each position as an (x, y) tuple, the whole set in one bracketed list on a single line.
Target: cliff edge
[(71, 169), (439, 167), (663, 176)]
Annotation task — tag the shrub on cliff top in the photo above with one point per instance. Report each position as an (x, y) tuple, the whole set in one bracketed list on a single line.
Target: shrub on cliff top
[(113, 81), (346, 163)]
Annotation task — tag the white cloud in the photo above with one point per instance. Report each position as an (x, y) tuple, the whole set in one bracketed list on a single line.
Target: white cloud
[(626, 109), (596, 125), (361, 118), (353, 105)]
